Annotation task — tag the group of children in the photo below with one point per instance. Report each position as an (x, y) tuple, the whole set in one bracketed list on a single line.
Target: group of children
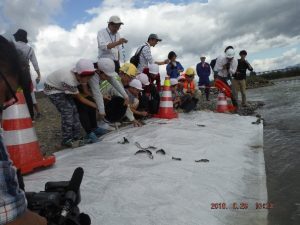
[(89, 90)]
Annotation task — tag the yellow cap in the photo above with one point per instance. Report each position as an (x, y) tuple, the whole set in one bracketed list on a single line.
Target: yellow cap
[(190, 72), (129, 69)]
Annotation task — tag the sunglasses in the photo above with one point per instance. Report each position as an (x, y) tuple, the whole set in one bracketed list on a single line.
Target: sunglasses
[(12, 93)]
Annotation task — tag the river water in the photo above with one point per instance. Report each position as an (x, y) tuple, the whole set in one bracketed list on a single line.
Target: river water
[(281, 147)]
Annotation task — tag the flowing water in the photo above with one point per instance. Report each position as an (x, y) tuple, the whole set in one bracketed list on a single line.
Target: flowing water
[(282, 148)]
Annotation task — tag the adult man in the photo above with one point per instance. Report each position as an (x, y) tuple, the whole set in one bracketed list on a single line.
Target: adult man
[(13, 206), (239, 81), (226, 66), (203, 71), (145, 56), (26, 53), (109, 41)]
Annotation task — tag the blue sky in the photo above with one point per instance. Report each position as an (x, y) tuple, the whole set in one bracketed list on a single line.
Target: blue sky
[(74, 12)]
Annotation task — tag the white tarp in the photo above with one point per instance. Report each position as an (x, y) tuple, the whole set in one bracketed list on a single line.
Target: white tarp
[(122, 188)]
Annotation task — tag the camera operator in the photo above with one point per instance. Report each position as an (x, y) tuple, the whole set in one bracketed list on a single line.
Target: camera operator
[(110, 42), (225, 67), (13, 205)]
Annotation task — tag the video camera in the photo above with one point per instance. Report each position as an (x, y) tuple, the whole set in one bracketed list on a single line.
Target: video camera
[(59, 202)]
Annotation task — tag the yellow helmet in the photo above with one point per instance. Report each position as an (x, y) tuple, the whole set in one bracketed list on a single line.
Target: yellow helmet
[(129, 69), (190, 72)]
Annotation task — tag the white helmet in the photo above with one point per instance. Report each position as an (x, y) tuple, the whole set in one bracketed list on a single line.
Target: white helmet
[(230, 53)]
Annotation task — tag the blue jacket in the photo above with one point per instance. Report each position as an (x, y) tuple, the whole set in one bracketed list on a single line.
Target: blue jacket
[(203, 72), (172, 70)]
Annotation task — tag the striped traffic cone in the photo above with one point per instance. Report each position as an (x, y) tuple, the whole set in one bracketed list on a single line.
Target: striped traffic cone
[(20, 137), (222, 106), (166, 110)]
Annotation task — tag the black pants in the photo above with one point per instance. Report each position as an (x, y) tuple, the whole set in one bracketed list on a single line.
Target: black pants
[(117, 66), (26, 86), (87, 116), (233, 100)]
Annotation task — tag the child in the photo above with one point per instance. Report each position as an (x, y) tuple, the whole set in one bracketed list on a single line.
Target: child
[(133, 91), (61, 87), (175, 95)]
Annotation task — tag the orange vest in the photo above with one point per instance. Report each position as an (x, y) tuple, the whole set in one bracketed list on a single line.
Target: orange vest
[(189, 87)]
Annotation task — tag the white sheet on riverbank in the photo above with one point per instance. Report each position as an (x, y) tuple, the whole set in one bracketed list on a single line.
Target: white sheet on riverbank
[(122, 188)]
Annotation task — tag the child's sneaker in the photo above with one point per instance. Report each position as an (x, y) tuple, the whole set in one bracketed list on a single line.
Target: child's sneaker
[(99, 131), (67, 143), (91, 138)]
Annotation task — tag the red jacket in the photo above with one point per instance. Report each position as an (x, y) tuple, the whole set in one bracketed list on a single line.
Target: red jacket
[(151, 80)]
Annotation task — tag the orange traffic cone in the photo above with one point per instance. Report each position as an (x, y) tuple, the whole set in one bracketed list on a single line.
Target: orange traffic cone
[(166, 110), (222, 106), (20, 138)]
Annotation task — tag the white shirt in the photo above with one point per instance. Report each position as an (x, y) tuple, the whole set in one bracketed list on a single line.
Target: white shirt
[(104, 38), (145, 57), (221, 61), (61, 81), (28, 53), (98, 97)]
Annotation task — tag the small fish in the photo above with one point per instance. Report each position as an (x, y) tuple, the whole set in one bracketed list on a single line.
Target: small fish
[(125, 141), (202, 160), (142, 151), (200, 125), (178, 159), (161, 151)]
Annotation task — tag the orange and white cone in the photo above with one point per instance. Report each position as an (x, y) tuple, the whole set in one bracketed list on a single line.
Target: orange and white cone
[(166, 110), (20, 138), (222, 106)]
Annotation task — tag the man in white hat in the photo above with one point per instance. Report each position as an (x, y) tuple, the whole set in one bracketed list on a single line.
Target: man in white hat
[(226, 66), (110, 42)]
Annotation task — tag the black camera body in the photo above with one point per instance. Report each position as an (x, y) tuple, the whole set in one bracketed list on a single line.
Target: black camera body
[(59, 202)]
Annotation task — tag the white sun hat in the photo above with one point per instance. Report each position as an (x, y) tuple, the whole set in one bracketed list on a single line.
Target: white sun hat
[(135, 83), (115, 19), (143, 78), (107, 66)]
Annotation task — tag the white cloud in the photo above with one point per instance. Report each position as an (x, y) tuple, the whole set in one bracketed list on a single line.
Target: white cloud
[(188, 29), (290, 57)]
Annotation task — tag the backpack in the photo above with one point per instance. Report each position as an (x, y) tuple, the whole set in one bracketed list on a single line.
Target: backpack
[(213, 63), (135, 60), (24, 58)]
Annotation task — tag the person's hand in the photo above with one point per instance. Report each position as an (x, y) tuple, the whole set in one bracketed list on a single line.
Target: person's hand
[(102, 115), (126, 101), (122, 41), (107, 97), (136, 123), (144, 113), (29, 218), (38, 79)]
